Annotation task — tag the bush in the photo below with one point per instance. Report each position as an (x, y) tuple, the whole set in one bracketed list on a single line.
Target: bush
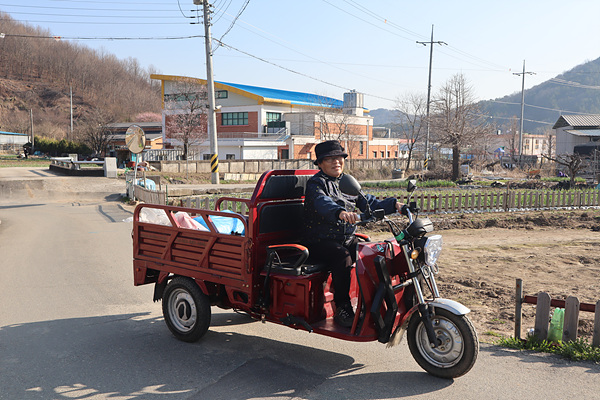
[(58, 147)]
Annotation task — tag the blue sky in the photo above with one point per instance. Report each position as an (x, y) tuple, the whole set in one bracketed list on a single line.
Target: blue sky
[(327, 47)]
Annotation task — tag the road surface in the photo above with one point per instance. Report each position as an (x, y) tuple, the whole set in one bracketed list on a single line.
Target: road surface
[(73, 326)]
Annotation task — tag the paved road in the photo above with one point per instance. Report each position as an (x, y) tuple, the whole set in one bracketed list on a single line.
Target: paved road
[(72, 326)]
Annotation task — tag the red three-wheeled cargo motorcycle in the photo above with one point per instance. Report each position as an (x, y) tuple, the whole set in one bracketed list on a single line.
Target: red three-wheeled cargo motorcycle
[(252, 261)]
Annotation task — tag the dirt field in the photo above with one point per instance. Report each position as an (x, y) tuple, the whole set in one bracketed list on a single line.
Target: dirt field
[(484, 254)]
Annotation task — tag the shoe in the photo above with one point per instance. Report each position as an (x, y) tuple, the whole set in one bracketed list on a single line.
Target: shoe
[(344, 315)]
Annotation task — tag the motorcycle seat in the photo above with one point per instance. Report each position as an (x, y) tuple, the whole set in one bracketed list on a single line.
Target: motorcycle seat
[(286, 266)]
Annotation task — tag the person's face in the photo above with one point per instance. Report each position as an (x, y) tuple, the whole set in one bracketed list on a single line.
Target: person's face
[(332, 166)]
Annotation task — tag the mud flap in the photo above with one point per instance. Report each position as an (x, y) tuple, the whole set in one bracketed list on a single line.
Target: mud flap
[(384, 295), (159, 289)]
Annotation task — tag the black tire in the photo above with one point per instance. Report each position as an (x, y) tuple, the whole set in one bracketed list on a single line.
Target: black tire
[(458, 352), (186, 309)]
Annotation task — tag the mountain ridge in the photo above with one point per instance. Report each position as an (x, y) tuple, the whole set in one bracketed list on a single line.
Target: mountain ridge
[(576, 91)]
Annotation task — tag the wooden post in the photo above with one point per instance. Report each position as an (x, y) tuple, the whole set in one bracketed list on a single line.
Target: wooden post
[(542, 316), (596, 338), (518, 307), (571, 319)]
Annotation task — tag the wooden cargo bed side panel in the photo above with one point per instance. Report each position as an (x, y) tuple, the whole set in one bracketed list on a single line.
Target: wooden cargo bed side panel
[(149, 231), (216, 255), (232, 280)]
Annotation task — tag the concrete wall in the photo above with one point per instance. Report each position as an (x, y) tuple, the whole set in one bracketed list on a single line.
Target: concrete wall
[(260, 166)]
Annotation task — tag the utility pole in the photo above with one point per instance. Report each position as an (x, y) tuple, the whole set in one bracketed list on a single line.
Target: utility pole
[(522, 110), (212, 119), (71, 91), (32, 134), (430, 43)]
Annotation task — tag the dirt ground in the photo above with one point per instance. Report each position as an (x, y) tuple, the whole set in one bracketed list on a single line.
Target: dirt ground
[(483, 255)]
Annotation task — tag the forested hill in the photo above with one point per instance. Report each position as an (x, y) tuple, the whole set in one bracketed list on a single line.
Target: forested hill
[(37, 72), (575, 91)]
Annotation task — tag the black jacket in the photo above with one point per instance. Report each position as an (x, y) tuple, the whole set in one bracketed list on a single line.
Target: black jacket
[(323, 203)]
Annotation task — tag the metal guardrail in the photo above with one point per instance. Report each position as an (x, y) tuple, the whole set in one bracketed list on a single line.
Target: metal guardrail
[(68, 162)]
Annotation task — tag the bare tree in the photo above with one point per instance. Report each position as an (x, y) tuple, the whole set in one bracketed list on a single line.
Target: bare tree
[(456, 118), (574, 163), (411, 120), (93, 131), (187, 114), (332, 123)]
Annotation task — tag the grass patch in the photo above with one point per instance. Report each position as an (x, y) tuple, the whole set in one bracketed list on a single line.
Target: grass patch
[(403, 184), (579, 350), (557, 179), (31, 162), (492, 333)]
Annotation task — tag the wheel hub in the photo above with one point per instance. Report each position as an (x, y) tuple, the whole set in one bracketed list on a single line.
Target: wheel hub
[(182, 310), (450, 343)]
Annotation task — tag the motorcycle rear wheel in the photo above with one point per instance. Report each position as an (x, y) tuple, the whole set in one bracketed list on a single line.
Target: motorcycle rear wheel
[(459, 347)]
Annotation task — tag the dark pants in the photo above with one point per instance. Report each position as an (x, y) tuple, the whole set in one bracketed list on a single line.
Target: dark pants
[(339, 259)]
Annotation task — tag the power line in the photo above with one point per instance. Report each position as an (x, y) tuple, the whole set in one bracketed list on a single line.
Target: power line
[(84, 9), (279, 66), (93, 22), (104, 37), (99, 16), (235, 19), (572, 84)]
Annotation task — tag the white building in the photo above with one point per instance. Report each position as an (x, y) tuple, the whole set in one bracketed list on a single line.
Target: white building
[(576, 130), (12, 140)]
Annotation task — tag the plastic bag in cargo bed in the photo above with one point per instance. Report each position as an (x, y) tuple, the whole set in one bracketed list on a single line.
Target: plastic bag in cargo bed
[(227, 225), (154, 216), (184, 220)]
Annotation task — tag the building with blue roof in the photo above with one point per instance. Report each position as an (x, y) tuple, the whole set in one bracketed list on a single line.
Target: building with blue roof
[(263, 123)]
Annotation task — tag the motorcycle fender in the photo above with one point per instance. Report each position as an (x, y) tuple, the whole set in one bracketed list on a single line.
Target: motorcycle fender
[(453, 306)]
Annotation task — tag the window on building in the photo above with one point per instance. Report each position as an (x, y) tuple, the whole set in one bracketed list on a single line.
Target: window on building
[(221, 94), (234, 118), (396, 154), (374, 154), (230, 156), (285, 154), (206, 157), (361, 148), (388, 154), (382, 154), (273, 117)]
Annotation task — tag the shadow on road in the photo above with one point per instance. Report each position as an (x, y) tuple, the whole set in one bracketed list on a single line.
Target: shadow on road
[(133, 356)]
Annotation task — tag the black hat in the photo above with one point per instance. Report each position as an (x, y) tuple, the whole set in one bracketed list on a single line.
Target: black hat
[(327, 149)]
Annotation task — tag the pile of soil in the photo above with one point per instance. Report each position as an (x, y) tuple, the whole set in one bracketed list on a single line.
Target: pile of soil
[(484, 254)]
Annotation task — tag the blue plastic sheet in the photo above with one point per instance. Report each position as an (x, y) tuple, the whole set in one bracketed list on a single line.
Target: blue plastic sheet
[(148, 184), (226, 225)]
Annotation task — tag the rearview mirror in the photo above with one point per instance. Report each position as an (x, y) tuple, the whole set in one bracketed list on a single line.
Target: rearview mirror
[(412, 186), (349, 185)]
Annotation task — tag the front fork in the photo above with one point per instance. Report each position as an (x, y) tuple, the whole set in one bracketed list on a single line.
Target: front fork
[(425, 310)]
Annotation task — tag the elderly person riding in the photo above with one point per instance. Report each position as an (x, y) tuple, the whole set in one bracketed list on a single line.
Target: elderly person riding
[(330, 223)]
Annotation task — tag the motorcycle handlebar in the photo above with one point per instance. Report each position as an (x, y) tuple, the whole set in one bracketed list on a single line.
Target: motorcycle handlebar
[(364, 220)]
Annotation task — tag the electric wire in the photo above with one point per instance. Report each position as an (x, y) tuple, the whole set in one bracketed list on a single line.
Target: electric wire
[(239, 14)]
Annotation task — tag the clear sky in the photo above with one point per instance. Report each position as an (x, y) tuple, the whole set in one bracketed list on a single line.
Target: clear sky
[(328, 47)]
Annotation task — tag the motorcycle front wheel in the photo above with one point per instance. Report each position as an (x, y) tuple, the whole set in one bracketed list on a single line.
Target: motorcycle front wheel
[(458, 348)]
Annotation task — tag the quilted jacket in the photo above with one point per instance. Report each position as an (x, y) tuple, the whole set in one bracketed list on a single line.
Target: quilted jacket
[(323, 203)]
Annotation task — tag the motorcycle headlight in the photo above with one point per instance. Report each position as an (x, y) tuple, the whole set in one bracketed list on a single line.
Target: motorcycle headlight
[(432, 248)]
